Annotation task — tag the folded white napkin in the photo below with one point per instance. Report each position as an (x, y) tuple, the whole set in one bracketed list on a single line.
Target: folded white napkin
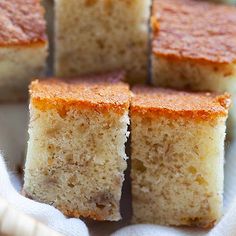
[(42, 212)]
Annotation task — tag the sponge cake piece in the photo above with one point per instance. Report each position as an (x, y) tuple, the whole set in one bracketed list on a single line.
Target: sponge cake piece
[(177, 156), (23, 46), (192, 52), (94, 36), (76, 149)]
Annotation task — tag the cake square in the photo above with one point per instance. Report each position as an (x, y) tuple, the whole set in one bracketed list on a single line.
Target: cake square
[(23, 46), (76, 151), (177, 156), (94, 36), (192, 52)]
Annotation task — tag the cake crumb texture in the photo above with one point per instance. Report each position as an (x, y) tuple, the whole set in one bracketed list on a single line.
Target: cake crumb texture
[(97, 36)]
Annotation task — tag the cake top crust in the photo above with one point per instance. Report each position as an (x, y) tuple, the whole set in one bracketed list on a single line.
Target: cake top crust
[(175, 104), (101, 93), (22, 23), (194, 30)]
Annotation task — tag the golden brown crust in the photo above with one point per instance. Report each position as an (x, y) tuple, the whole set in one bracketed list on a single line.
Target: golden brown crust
[(100, 93), (22, 23), (173, 104), (194, 30)]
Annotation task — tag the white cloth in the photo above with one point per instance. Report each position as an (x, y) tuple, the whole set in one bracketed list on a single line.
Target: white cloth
[(42, 212)]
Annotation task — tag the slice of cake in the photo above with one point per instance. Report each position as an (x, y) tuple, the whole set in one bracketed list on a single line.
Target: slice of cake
[(177, 156), (192, 52), (23, 46), (76, 151), (102, 35)]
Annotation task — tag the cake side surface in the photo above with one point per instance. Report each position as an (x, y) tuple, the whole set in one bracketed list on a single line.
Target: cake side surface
[(177, 171), (193, 75), (81, 156), (18, 67), (177, 160), (23, 47), (109, 35)]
